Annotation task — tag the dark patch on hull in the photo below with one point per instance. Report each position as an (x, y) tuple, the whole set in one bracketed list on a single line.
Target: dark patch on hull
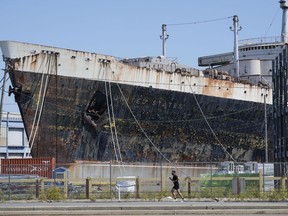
[(96, 108)]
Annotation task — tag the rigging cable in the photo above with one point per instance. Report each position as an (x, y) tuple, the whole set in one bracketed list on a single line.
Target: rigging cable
[(2, 80), (139, 125), (37, 107), (215, 136), (110, 122), (115, 127), (199, 22), (38, 101), (272, 22), (145, 134), (43, 93)]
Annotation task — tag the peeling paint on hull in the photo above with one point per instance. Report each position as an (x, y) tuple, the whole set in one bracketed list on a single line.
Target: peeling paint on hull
[(65, 96), (69, 130)]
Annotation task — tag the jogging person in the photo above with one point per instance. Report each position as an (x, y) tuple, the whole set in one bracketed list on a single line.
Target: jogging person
[(176, 187)]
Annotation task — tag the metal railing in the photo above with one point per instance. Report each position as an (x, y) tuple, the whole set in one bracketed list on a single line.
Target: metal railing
[(260, 40), (197, 180)]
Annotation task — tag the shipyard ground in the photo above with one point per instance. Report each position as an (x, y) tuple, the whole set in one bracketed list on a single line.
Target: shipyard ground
[(151, 208)]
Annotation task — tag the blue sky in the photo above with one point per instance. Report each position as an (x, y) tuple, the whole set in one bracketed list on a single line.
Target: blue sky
[(131, 28)]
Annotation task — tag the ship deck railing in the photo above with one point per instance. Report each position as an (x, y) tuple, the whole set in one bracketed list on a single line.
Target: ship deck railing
[(260, 40)]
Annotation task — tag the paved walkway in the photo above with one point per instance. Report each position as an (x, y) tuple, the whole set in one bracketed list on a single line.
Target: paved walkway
[(132, 207)]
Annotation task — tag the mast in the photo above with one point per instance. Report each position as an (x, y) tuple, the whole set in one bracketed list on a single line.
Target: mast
[(164, 37), (284, 7), (236, 52)]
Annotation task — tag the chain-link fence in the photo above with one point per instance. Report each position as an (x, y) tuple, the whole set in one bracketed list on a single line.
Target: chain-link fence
[(149, 181)]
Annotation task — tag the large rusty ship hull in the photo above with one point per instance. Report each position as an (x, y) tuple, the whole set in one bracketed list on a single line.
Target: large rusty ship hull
[(87, 106)]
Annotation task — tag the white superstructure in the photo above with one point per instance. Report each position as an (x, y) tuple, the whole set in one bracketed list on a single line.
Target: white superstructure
[(255, 56), (152, 72)]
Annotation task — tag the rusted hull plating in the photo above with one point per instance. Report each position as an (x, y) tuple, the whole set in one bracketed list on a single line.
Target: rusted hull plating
[(71, 113), (74, 122)]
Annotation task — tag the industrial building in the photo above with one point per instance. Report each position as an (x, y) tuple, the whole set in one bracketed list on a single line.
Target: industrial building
[(13, 140)]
